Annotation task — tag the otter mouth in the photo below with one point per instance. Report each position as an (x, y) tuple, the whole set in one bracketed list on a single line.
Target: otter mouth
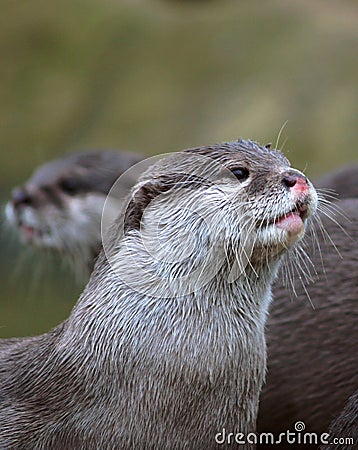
[(31, 234), (292, 221)]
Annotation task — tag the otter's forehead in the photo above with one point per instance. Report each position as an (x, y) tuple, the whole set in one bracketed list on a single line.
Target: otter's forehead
[(81, 164), (245, 153), (257, 159), (46, 173)]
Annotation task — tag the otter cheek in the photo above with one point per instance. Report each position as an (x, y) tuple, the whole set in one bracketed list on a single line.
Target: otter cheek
[(293, 225)]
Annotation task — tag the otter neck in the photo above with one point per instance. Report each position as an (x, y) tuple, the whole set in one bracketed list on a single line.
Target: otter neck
[(222, 311), (200, 339)]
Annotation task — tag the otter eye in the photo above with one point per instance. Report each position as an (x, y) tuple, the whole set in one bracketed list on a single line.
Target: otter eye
[(69, 185), (241, 173)]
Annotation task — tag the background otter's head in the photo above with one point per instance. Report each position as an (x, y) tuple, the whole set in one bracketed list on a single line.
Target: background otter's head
[(59, 208)]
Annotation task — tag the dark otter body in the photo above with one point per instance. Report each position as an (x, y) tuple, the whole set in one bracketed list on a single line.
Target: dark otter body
[(312, 353), (342, 181), (343, 431), (151, 356)]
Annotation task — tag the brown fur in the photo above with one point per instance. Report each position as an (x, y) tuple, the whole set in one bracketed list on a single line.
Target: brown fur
[(345, 426)]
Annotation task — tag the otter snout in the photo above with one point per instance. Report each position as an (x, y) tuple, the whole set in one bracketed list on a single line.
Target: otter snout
[(296, 181), (20, 197), (304, 197)]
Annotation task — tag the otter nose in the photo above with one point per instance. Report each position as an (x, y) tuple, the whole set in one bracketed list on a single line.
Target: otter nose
[(20, 197), (291, 179)]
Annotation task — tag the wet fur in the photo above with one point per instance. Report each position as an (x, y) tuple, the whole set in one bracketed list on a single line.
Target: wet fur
[(305, 381), (127, 370)]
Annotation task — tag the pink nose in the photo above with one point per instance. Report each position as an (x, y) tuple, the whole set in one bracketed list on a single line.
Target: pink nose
[(296, 181)]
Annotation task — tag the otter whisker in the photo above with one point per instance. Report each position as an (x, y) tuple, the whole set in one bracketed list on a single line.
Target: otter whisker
[(280, 133), (331, 211)]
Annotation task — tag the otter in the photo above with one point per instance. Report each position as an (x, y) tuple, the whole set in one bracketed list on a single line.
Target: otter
[(312, 357), (304, 397), (51, 210), (343, 431), (283, 403), (165, 347), (59, 208)]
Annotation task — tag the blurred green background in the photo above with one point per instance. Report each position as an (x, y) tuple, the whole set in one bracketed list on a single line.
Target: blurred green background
[(157, 76)]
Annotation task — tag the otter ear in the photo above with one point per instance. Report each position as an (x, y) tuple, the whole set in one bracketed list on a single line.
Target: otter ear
[(268, 146), (142, 197), (150, 189)]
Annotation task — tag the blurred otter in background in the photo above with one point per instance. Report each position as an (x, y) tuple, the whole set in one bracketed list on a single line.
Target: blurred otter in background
[(312, 357), (59, 208)]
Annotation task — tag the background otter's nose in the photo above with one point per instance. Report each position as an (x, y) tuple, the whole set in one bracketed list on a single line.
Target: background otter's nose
[(20, 197), (290, 179)]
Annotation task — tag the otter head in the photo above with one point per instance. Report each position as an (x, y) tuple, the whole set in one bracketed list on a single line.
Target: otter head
[(59, 208), (235, 207)]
